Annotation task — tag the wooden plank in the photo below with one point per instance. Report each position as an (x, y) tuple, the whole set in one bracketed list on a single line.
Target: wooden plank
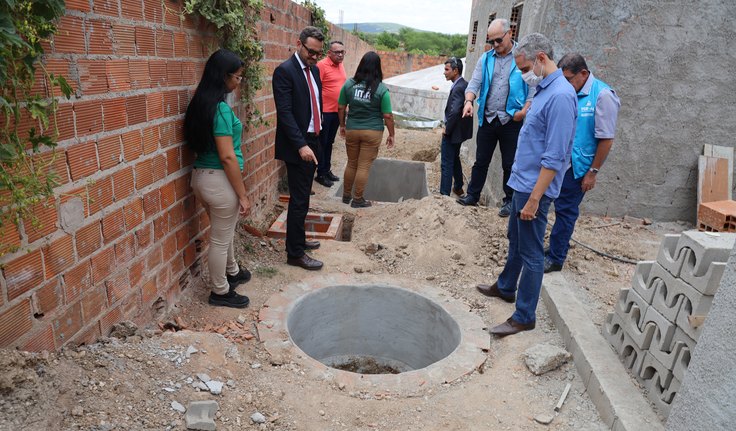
[(712, 179), (724, 153)]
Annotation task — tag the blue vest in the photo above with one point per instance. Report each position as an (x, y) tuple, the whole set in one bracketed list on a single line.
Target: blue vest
[(518, 90), (585, 143)]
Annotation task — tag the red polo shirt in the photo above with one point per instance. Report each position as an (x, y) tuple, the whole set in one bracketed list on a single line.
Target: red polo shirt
[(333, 77)]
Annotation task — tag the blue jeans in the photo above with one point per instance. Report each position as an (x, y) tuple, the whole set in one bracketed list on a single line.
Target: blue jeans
[(487, 137), (567, 210), (525, 263), (450, 166), (330, 123)]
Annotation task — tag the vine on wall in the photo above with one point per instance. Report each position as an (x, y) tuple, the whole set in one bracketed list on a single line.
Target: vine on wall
[(26, 180), (235, 21)]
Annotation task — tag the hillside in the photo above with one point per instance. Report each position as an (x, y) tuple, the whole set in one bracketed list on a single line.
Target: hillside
[(374, 27)]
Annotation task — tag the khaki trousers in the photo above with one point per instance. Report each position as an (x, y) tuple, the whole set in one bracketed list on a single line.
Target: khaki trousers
[(362, 149), (214, 191)]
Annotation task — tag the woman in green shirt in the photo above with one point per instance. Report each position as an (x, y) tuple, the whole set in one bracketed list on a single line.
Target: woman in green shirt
[(370, 109), (213, 131)]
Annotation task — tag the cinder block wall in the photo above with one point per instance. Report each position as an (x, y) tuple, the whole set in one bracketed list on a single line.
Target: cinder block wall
[(123, 236)]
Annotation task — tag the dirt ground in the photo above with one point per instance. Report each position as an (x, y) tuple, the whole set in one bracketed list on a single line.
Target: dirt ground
[(129, 383)]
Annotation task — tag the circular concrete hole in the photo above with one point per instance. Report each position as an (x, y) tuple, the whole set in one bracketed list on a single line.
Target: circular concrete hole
[(372, 329)]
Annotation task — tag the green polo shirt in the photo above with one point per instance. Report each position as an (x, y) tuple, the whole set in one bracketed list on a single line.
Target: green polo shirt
[(226, 123), (366, 110)]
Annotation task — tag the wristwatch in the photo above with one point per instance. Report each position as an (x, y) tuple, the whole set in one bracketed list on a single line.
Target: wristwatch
[(593, 170)]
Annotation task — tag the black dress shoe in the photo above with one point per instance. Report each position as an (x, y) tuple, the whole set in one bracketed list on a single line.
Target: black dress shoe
[(493, 292), (467, 201), (311, 245), (305, 262), (332, 177), (505, 210), (324, 181), (242, 277), (551, 267), (229, 299), (511, 327)]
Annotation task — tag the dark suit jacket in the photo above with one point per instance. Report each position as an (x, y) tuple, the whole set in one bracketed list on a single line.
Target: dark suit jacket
[(457, 129), (293, 108)]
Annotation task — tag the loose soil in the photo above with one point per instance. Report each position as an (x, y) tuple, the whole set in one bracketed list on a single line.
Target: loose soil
[(130, 382)]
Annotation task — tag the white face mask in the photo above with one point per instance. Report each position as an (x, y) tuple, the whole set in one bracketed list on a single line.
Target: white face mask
[(531, 78)]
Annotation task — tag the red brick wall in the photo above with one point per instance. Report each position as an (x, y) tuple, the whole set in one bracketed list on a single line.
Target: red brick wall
[(397, 62), (123, 235)]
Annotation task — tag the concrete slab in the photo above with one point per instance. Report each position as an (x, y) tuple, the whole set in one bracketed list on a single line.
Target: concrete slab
[(392, 180), (617, 399)]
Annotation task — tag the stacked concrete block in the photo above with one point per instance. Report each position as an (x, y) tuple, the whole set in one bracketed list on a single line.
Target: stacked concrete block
[(656, 323)]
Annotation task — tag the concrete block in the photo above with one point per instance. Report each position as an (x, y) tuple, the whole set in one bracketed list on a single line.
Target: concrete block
[(640, 280), (201, 415), (682, 362), (674, 287), (657, 380), (707, 248), (613, 331), (666, 301), (631, 355), (627, 298), (665, 327), (686, 309), (669, 256), (667, 353), (630, 323)]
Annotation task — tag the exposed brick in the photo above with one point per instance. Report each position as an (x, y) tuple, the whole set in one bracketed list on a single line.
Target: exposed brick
[(109, 151), (77, 281), (23, 274), (149, 292), (109, 320), (106, 7), (135, 272), (133, 213), (181, 186), (144, 41), (182, 238), (173, 13), (152, 203), (11, 238), (132, 9), (189, 255), (183, 101), (173, 164), (88, 117), (115, 114), (102, 264), (68, 324), (100, 194), (92, 76), (123, 183), (150, 139), (123, 39), (118, 286), (153, 259), (125, 250), (158, 73), (143, 237), (58, 256), (181, 44), (160, 226), (132, 145), (82, 160), (143, 174), (159, 167), (88, 239), (80, 5), (93, 303), (163, 278), (169, 247), (53, 164), (176, 216), (164, 43), (168, 194), (113, 225), (136, 107), (69, 37), (87, 335), (174, 73), (155, 103), (42, 339), (44, 223), (171, 103), (45, 300), (15, 322), (140, 75), (153, 12), (100, 36), (171, 133), (118, 75)]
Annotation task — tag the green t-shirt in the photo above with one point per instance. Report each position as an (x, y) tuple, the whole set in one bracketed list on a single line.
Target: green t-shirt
[(366, 110), (226, 123)]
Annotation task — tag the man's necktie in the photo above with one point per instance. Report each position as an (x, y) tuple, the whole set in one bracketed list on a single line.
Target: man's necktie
[(315, 107)]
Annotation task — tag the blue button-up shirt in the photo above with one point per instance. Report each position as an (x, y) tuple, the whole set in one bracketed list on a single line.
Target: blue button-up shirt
[(545, 139)]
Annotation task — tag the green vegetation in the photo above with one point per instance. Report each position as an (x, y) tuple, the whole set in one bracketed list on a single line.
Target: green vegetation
[(266, 271), (417, 42), (319, 21), (25, 179)]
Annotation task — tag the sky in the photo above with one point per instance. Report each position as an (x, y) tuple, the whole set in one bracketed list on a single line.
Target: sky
[(444, 16)]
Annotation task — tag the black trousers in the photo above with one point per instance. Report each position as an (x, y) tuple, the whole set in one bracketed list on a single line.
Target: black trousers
[(300, 177), (491, 133)]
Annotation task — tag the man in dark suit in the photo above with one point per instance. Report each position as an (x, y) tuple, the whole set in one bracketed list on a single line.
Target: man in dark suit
[(457, 130), (296, 93)]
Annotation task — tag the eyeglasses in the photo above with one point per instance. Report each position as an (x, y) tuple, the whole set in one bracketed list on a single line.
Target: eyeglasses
[(497, 40), (237, 77), (312, 53), (338, 52)]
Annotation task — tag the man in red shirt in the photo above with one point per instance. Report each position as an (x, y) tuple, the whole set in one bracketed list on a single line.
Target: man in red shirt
[(332, 74)]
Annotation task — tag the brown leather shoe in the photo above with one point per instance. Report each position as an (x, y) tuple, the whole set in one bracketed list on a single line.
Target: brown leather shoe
[(459, 191), (305, 262), (493, 291), (511, 327), (311, 245)]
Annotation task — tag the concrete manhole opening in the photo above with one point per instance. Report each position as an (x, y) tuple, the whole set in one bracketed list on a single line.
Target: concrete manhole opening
[(392, 180), (372, 329)]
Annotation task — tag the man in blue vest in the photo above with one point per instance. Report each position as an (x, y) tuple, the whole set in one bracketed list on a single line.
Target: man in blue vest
[(598, 108), (503, 100)]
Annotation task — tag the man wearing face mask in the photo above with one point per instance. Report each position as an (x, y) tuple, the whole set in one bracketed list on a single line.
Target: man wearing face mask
[(598, 108), (503, 100), (542, 157)]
